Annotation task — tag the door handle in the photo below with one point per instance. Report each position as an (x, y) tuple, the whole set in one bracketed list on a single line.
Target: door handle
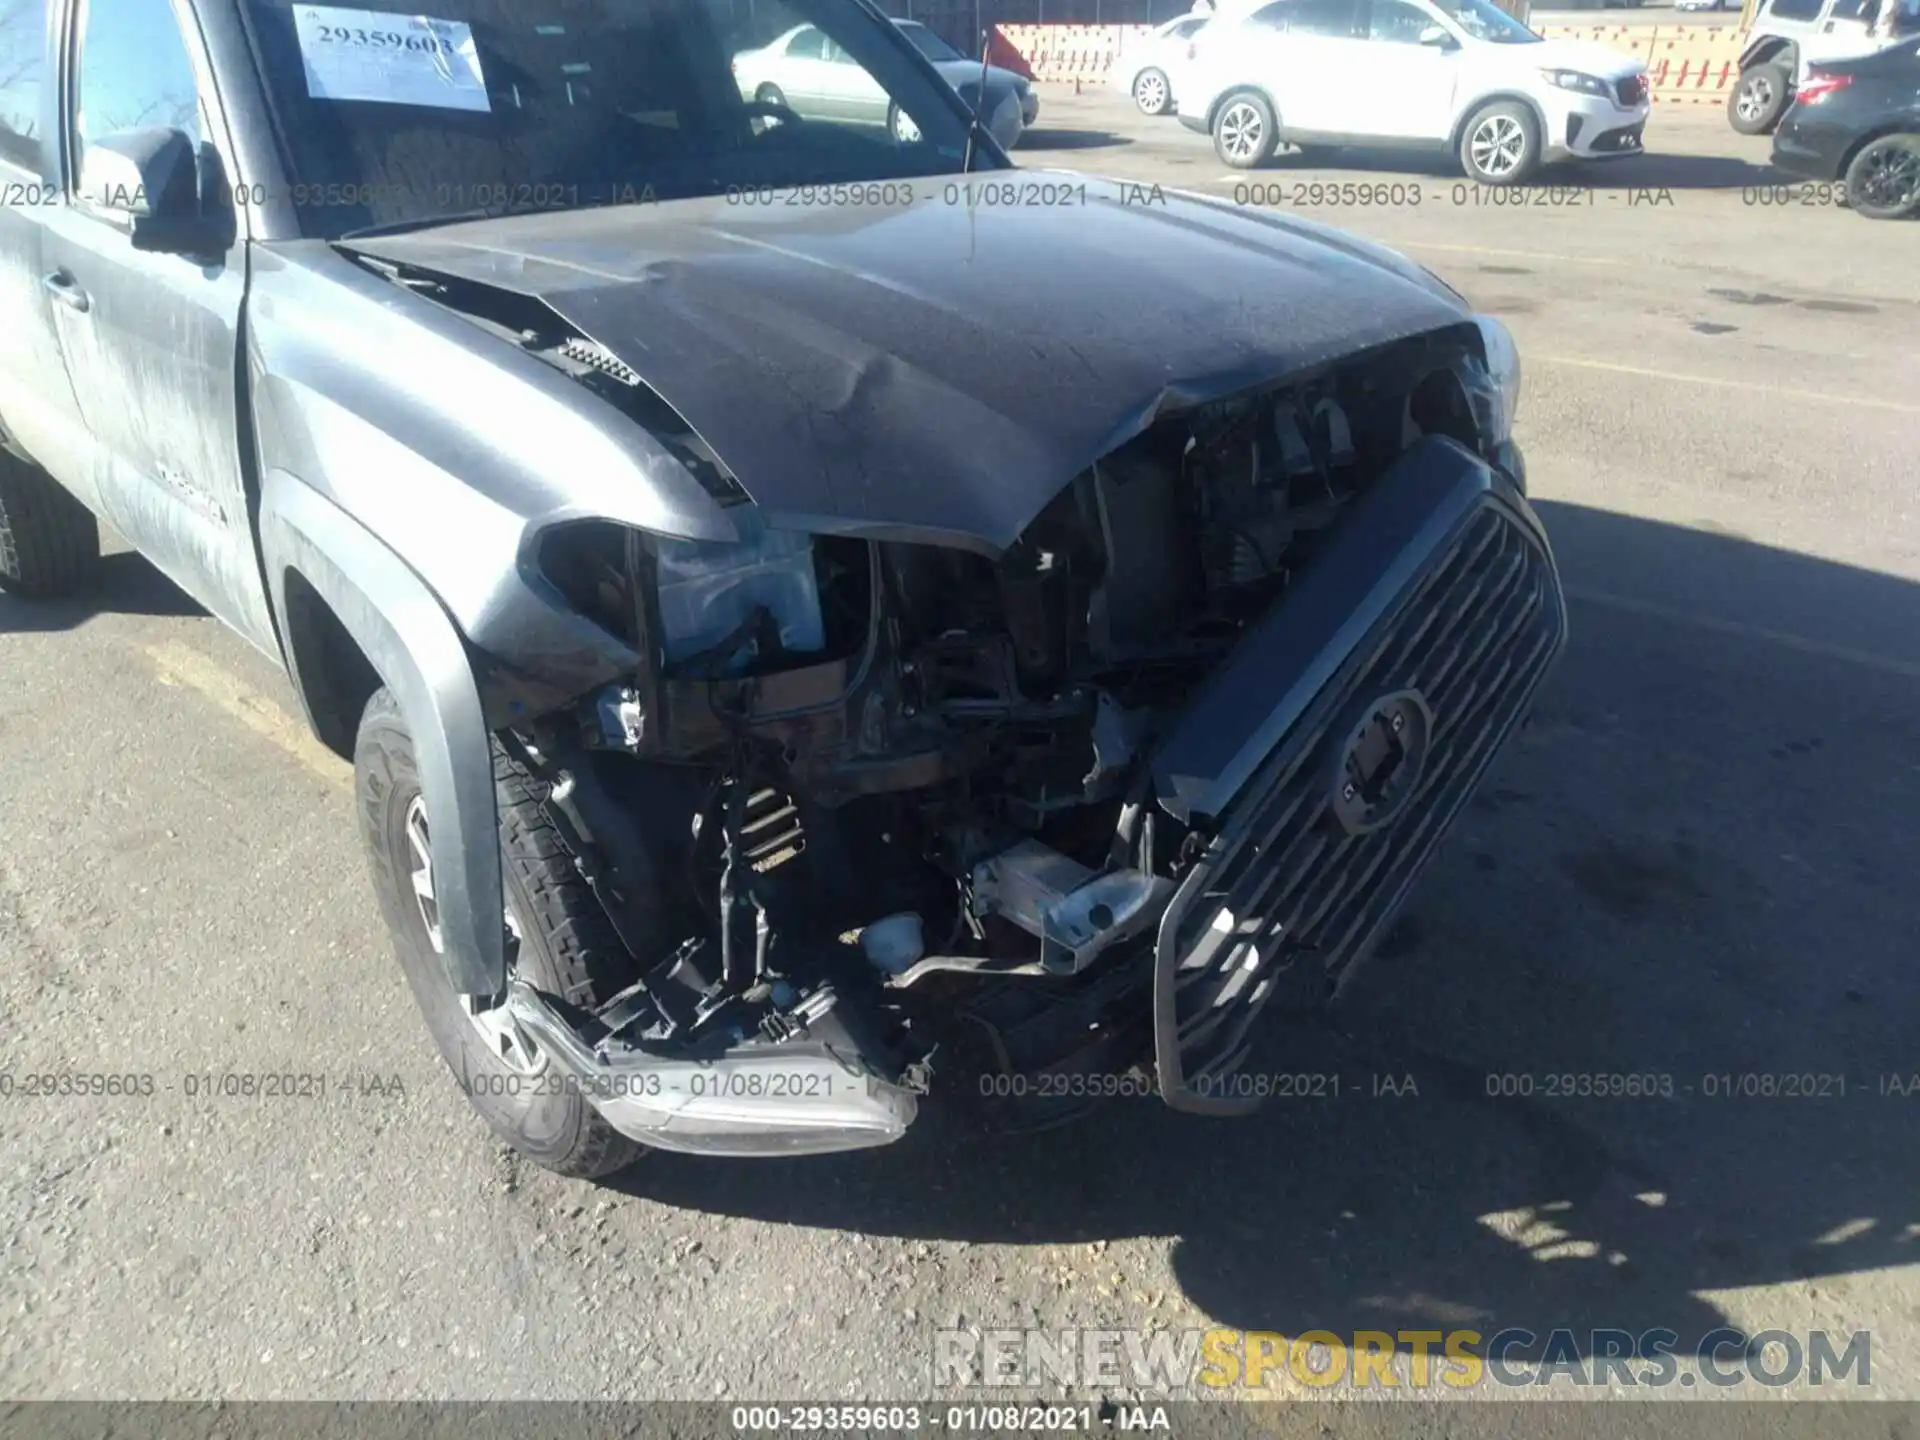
[(64, 288)]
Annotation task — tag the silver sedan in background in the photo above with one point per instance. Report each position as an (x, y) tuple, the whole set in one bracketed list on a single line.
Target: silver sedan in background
[(804, 71)]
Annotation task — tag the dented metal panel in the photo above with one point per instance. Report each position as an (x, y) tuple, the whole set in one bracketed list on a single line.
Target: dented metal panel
[(457, 452), (939, 371)]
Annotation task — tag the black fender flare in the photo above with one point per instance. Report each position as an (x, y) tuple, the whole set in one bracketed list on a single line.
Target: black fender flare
[(408, 636), (1772, 50)]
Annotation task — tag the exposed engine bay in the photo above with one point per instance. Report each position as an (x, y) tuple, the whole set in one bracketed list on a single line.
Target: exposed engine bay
[(871, 799)]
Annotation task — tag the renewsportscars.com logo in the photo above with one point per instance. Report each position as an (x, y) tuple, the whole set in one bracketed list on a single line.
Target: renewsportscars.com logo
[(1188, 1360)]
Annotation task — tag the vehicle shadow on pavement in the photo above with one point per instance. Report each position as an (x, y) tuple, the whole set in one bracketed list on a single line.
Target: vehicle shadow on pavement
[(1691, 875), (1650, 171), (125, 584), (1042, 138)]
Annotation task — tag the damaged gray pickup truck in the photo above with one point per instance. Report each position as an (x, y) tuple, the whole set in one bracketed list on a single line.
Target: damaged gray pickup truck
[(806, 601)]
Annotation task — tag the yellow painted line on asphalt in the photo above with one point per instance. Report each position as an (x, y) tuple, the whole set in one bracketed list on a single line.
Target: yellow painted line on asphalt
[(1756, 387), (180, 665), (1516, 254), (1865, 659)]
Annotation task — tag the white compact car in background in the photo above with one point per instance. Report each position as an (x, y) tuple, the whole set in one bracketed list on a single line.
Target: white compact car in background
[(1458, 75), (1145, 68)]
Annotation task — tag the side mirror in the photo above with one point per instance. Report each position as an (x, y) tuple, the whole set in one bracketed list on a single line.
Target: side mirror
[(1435, 37), (151, 182)]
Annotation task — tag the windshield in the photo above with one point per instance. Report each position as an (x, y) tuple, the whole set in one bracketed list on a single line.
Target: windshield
[(928, 43), (394, 117), (1484, 21)]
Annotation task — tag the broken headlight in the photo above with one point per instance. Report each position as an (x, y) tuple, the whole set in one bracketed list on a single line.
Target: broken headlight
[(727, 607), (767, 600)]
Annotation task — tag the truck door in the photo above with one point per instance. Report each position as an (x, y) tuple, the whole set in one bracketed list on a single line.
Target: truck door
[(152, 341), (37, 405)]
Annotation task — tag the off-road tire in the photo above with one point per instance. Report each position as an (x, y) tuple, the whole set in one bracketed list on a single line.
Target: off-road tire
[(1883, 179), (49, 541), (1772, 81), (567, 947), (1501, 122)]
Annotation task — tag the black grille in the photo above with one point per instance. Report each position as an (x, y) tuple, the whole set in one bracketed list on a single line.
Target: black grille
[(1632, 90), (1626, 141), (1288, 897)]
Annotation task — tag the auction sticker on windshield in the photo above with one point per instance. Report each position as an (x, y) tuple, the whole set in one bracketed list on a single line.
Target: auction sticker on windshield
[(392, 59)]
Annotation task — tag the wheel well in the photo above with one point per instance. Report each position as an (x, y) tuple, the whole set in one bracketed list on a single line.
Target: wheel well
[(334, 675), (1766, 51), (1853, 150), (1213, 111), (1499, 97)]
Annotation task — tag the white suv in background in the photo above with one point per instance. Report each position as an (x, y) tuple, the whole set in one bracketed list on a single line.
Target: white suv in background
[(1787, 36), (1457, 75)]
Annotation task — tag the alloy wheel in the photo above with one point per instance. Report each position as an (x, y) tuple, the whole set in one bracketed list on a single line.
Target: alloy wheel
[(1756, 95), (495, 1024), (1242, 130), (1890, 177), (1498, 145), (1150, 92)]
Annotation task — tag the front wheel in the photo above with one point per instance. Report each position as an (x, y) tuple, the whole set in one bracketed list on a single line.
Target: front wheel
[(1245, 131), (1760, 99), (49, 541), (557, 937), (1500, 144), (1883, 181), (1151, 92)]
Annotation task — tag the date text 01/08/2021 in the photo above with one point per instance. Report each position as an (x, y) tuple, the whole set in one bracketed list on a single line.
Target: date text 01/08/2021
[(911, 1419)]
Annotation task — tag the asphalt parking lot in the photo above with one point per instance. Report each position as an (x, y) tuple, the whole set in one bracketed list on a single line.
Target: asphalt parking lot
[(1697, 863)]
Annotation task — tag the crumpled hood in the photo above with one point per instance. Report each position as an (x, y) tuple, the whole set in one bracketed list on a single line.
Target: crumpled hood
[(939, 371)]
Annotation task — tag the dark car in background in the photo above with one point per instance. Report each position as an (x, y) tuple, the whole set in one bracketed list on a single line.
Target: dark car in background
[(1858, 121)]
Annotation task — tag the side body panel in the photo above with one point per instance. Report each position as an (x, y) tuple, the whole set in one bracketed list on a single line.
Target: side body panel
[(151, 344), (37, 406)]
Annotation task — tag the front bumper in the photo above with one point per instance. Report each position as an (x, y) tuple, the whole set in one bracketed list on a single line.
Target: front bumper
[(1587, 127), (1427, 624), (1007, 124), (803, 1097)]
